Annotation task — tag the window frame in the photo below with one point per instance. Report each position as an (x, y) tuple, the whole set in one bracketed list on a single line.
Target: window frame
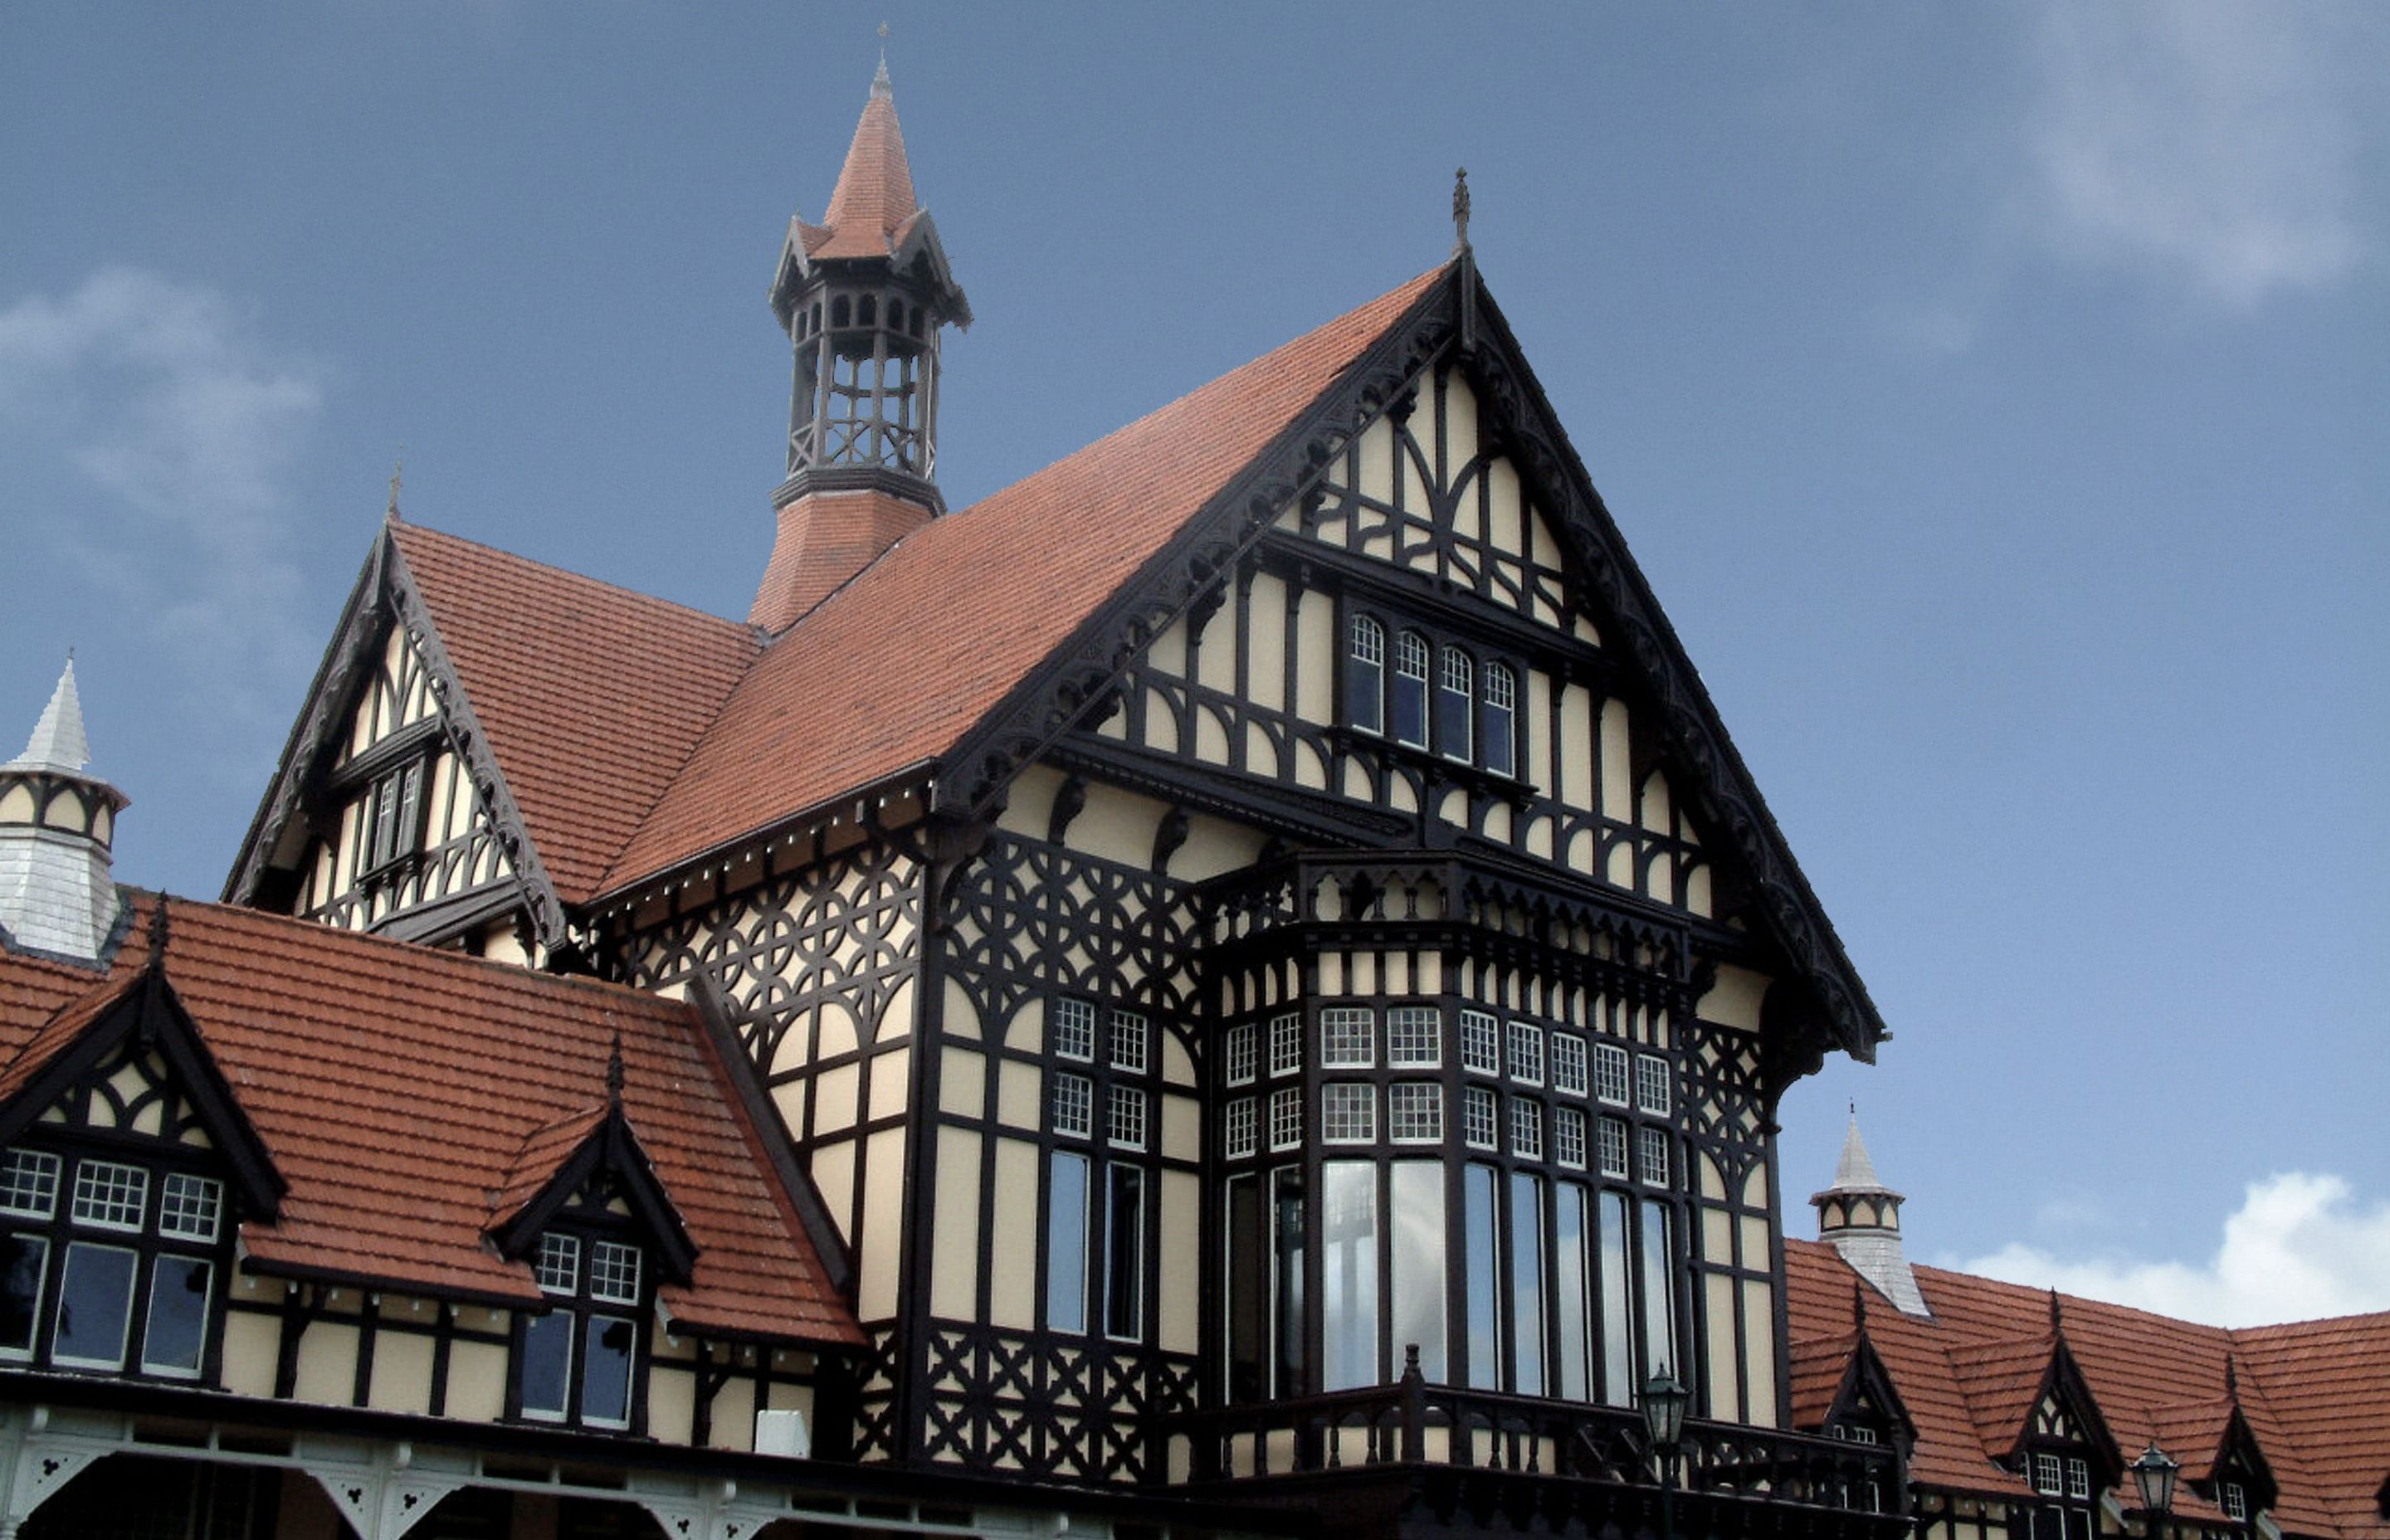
[(583, 1312)]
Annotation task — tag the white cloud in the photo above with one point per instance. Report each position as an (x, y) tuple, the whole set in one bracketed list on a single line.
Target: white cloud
[(168, 398), (2210, 141), (2299, 1246)]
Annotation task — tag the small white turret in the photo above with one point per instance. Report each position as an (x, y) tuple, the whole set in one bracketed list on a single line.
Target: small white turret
[(56, 826), (1859, 1217)]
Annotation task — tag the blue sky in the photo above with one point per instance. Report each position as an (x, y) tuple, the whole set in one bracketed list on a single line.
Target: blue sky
[(1993, 396)]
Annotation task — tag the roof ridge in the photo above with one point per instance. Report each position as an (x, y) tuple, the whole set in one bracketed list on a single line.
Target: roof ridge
[(410, 529), (514, 974)]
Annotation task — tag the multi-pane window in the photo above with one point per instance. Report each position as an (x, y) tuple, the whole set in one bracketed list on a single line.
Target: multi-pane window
[(1439, 694), (1612, 1133), (1526, 1128), (1132, 1042), (1286, 1044), (1415, 1111), (1347, 1038), (1456, 701), (1348, 1112), (1609, 1074), (1125, 1117), (1071, 1106), (2233, 1498), (115, 1280), (2049, 1474), (1567, 1137), (1651, 1154), (1414, 1037), (1285, 1118), (111, 1195), (29, 1183), (1652, 1083), (394, 816), (1238, 1127), (1407, 702), (1074, 1029), (1477, 1114), (1568, 1063), (1527, 1053), (2078, 1477), (1364, 674), (1481, 1043), (1240, 1055), (559, 1267), (614, 1273), (573, 1361), (1501, 734), (191, 1208)]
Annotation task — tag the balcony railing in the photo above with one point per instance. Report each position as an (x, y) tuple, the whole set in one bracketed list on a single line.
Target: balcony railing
[(1414, 1423)]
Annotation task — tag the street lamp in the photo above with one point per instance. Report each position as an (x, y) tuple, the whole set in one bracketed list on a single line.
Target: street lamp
[(1664, 1418), (2154, 1473)]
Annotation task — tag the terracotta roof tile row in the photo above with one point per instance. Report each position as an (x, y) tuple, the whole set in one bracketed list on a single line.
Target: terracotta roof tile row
[(2316, 1395), (399, 1092)]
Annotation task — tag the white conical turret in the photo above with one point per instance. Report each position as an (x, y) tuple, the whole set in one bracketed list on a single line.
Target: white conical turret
[(57, 825), (1859, 1217)]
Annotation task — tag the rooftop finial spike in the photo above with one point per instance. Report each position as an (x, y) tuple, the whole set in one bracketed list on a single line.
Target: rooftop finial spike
[(2231, 1378), (158, 935), (615, 1075), (879, 86), (1461, 210), (2057, 1313), (398, 477)]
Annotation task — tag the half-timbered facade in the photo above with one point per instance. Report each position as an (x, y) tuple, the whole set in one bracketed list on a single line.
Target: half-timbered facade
[(1246, 960)]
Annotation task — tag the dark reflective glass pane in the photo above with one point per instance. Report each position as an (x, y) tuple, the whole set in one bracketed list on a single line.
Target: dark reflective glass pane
[(178, 1315), (546, 1362), (1124, 1254), (606, 1370), (22, 1260), (1410, 709), (94, 1304), (1501, 756), (1364, 689), (1482, 1272)]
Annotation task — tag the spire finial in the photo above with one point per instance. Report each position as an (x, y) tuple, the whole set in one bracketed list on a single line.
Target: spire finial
[(615, 1075), (879, 86), (397, 479), (158, 935), (2057, 1313), (1461, 210), (1858, 1304), (2231, 1378)]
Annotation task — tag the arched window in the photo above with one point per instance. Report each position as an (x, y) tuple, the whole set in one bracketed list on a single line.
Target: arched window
[(837, 311), (1456, 702), (1408, 706), (1365, 676), (1500, 733), (867, 313)]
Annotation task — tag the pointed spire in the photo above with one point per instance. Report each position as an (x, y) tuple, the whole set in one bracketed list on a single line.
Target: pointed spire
[(1855, 1169), (874, 198), (397, 476), (158, 936), (614, 1076), (1461, 210), (57, 742), (2057, 1315)]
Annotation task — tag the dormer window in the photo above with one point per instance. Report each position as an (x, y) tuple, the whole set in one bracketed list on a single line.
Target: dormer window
[(576, 1359), (2233, 1498)]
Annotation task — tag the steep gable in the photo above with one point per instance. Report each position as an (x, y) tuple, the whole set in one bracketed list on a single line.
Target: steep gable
[(919, 652)]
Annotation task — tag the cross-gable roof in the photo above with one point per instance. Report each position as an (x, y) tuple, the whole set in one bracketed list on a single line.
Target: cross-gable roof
[(395, 1088), (2314, 1396)]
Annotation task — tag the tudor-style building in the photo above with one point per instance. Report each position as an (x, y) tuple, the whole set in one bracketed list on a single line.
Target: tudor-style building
[(1259, 904), (1250, 984)]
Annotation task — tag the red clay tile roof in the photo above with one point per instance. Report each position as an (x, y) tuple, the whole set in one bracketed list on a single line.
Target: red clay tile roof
[(544, 1149), (892, 669), (396, 1087), (591, 695), (873, 200), (2316, 1394)]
